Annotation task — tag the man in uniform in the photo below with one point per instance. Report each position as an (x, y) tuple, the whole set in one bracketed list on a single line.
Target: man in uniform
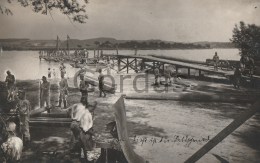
[(167, 75), (101, 83), (83, 87), (23, 109), (237, 77), (156, 76), (81, 126), (45, 93), (216, 61), (63, 91), (10, 84), (62, 69)]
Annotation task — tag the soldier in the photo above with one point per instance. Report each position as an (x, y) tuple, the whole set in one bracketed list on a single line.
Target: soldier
[(237, 77), (216, 61), (62, 69), (167, 75), (101, 83), (45, 93), (83, 86), (63, 91), (10, 84), (23, 109), (81, 126), (156, 76)]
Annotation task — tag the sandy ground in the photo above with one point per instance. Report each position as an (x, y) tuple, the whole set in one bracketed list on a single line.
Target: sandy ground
[(156, 127)]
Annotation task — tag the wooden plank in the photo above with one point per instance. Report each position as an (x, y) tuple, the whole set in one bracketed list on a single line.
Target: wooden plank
[(182, 64), (127, 65), (224, 133), (193, 97), (120, 116)]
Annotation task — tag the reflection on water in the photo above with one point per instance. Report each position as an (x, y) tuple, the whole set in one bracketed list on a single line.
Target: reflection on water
[(26, 64)]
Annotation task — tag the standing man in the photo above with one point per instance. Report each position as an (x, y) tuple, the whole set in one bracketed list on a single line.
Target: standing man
[(62, 69), (45, 93), (63, 91), (216, 61), (156, 76), (167, 75), (23, 109), (101, 83), (83, 87), (10, 84), (237, 77)]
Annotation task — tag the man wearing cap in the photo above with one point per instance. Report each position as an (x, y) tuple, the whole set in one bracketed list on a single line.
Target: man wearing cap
[(45, 92), (63, 91), (23, 109), (10, 84)]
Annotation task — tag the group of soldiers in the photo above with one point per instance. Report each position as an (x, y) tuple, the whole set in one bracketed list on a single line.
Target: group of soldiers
[(81, 113), (23, 106), (45, 90)]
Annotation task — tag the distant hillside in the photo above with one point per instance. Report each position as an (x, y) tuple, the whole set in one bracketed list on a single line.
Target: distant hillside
[(217, 44), (107, 43)]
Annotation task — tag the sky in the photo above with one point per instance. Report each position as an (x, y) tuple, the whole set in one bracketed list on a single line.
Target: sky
[(170, 20)]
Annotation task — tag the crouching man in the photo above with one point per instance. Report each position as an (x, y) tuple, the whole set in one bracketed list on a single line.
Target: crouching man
[(81, 127)]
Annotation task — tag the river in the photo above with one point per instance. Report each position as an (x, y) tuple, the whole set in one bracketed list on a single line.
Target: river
[(26, 64)]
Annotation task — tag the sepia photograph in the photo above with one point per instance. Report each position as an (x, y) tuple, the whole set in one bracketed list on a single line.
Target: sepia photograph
[(129, 81)]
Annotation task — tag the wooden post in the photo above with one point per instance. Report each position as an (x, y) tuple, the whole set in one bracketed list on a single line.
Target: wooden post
[(94, 53), (177, 70), (118, 63), (135, 64), (153, 66), (142, 65), (163, 67), (127, 65)]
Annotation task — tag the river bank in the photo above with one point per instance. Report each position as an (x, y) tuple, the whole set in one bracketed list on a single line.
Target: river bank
[(160, 130)]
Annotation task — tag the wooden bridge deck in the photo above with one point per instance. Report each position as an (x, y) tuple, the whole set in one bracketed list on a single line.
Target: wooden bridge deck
[(180, 64)]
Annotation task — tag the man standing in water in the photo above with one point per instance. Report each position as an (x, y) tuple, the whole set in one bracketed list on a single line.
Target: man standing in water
[(23, 109), (45, 93), (216, 60), (10, 84), (101, 83), (63, 91)]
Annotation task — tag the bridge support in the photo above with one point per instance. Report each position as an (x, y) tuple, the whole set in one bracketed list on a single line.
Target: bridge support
[(127, 65)]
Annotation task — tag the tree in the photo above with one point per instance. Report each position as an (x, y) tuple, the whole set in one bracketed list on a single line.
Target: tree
[(247, 39), (74, 9)]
